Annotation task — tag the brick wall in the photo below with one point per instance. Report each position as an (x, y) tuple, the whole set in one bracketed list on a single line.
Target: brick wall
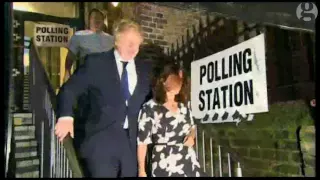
[(267, 146), (162, 25), (307, 143)]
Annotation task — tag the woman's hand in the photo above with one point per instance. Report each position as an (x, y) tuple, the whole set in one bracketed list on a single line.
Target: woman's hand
[(189, 141)]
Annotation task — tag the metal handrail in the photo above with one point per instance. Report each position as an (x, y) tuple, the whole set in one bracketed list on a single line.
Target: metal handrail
[(231, 155), (8, 11), (57, 159)]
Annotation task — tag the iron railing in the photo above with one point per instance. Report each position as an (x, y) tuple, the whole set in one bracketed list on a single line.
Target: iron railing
[(8, 86), (57, 160), (212, 158), (211, 164)]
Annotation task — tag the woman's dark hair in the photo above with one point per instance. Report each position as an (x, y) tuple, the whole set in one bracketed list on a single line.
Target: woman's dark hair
[(160, 74)]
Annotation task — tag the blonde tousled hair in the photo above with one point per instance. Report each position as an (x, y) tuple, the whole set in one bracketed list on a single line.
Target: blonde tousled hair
[(123, 25)]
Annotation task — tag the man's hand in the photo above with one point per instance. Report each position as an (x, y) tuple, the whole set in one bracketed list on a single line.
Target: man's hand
[(142, 174), (63, 128), (188, 141)]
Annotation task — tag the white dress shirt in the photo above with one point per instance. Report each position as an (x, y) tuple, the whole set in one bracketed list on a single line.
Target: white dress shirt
[(132, 77), (132, 80)]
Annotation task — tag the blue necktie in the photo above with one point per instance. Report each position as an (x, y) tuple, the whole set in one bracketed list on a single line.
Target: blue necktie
[(124, 81)]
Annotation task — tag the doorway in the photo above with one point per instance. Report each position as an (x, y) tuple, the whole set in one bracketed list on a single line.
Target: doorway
[(26, 16), (52, 58), (37, 74)]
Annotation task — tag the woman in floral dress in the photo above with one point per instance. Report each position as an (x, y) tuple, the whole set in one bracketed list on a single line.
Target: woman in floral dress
[(166, 123)]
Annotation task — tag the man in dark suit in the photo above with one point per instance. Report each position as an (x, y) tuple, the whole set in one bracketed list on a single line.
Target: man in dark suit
[(117, 85)]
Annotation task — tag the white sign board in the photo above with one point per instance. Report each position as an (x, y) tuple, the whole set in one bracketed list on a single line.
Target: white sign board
[(51, 35), (231, 81)]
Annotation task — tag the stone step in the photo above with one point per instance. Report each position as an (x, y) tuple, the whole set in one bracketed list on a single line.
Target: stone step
[(26, 149), (34, 174), (24, 137), (22, 119), (24, 132), (25, 162), (26, 143), (26, 154), (28, 172), (26, 103), (26, 96), (26, 107), (23, 128)]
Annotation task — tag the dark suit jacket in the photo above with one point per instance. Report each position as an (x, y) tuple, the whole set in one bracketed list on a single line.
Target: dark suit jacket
[(99, 78)]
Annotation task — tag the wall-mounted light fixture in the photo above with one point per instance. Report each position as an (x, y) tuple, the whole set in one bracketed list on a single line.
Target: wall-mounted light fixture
[(21, 6), (115, 4)]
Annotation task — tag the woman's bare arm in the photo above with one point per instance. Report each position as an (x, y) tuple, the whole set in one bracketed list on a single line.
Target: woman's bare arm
[(141, 153)]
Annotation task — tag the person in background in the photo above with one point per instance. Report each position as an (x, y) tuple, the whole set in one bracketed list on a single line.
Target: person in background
[(117, 84), (81, 44), (166, 123), (85, 42)]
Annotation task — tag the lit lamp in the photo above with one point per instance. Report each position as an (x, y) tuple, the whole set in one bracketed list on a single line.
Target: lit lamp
[(21, 6), (115, 4)]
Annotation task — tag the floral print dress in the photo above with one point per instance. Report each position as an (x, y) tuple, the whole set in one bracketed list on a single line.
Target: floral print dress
[(166, 132)]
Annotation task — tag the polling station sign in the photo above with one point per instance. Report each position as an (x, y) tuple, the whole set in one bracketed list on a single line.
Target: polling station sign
[(51, 35), (233, 80)]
